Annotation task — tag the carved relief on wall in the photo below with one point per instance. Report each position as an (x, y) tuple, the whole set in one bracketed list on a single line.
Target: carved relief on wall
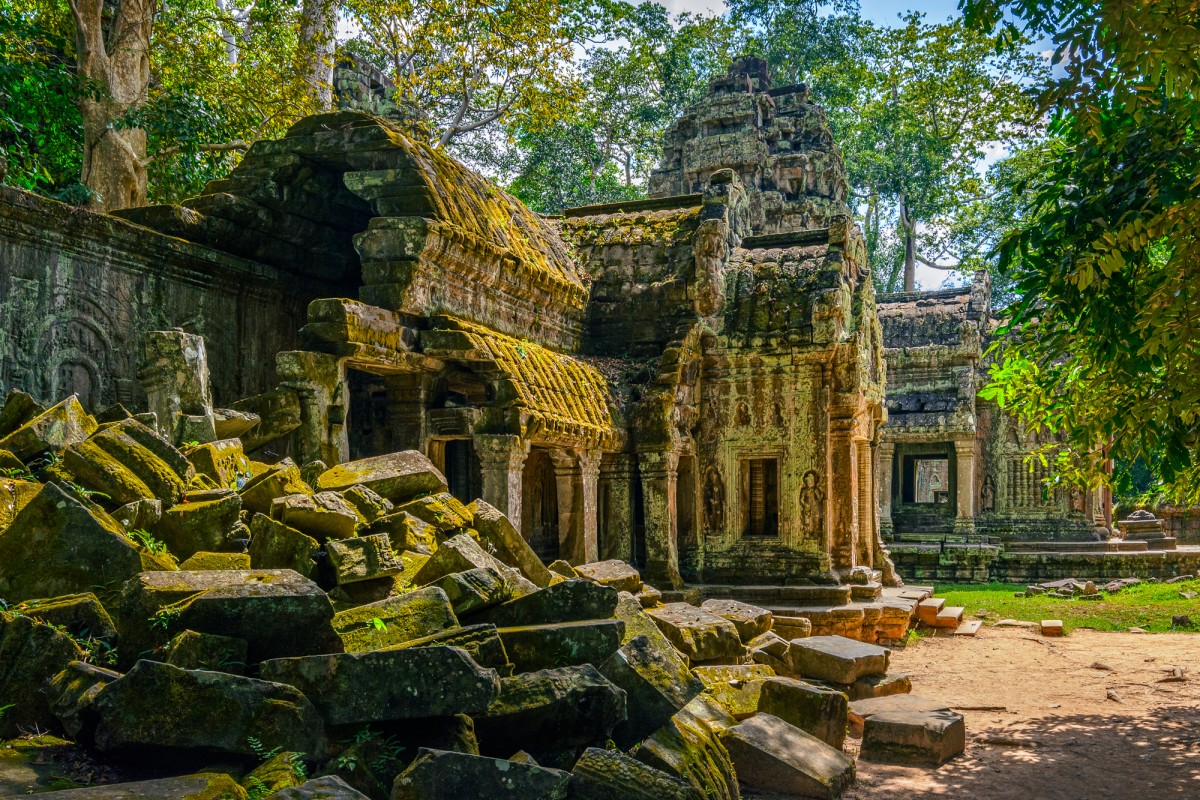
[(714, 501), (777, 420), (987, 496), (812, 504), (1076, 499), (743, 415)]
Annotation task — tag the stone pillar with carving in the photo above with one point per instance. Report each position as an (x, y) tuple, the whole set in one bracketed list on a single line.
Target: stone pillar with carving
[(407, 396), (867, 511), (501, 460), (659, 474), (319, 380), (843, 494), (589, 494), (964, 454), (577, 474), (174, 375), (886, 454), (616, 539)]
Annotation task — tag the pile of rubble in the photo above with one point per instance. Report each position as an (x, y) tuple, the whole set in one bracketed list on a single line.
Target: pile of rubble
[(169, 608)]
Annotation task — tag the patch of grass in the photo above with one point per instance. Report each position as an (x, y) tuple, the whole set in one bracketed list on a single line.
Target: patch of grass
[(1149, 606)]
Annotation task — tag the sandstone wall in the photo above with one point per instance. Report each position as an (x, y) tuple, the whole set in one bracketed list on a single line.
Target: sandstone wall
[(78, 290)]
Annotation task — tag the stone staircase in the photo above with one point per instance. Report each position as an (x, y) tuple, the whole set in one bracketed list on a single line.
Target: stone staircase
[(935, 614)]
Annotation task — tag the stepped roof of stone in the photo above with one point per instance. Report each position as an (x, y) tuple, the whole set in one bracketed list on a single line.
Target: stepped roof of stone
[(946, 318), (564, 397), (769, 289)]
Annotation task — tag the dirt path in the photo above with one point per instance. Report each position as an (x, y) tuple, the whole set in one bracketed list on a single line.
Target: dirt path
[(1078, 743)]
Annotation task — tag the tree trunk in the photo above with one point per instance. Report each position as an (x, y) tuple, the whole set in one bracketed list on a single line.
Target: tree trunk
[(318, 18), (908, 231), (116, 56)]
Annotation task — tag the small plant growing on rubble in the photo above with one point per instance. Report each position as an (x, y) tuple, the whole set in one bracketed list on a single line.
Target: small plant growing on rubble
[(378, 624), (145, 540)]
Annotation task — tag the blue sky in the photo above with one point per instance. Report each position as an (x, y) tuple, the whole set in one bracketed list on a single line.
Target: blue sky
[(880, 11)]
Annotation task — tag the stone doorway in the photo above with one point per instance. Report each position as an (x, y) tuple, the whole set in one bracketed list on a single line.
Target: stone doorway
[(539, 504)]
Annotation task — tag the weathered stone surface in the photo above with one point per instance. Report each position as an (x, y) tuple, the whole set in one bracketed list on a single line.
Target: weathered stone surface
[(159, 706), (475, 589), (610, 774), (735, 687), (279, 414), (229, 423), (274, 545), (408, 683), (813, 709), (657, 684), (750, 621), (500, 537), (31, 654), (481, 642), (569, 601), (914, 737), (71, 693), (216, 561), (442, 512), (369, 504), (201, 786), (689, 748), (836, 658), (139, 515), (771, 649), (362, 558), (330, 787), (99, 472), (395, 476), (81, 615), (550, 710), (323, 516), (614, 573), (437, 774), (870, 686), (281, 771), (19, 407), (462, 553), (278, 612), (699, 635), (208, 525), (407, 533), (772, 756), (861, 710), (15, 495), (280, 480), (223, 461), (400, 619), (192, 650), (52, 431), (562, 569), (57, 545), (562, 644)]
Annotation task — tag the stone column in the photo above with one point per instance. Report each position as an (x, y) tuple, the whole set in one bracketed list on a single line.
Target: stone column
[(616, 538), (319, 380), (843, 494), (174, 375), (570, 506), (589, 496), (886, 454), (407, 396), (964, 453), (501, 459), (658, 472), (867, 510)]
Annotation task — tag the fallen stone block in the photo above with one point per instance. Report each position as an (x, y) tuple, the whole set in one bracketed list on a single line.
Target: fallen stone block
[(159, 706), (139, 515), (657, 684), (569, 601), (362, 558), (649, 597), (550, 710), (836, 658), (750, 621), (278, 612), (201, 786), (192, 650), (278, 412), (481, 642), (330, 787), (53, 431), (99, 472), (407, 533), (1051, 627), (610, 774), (462, 553), (31, 654), (690, 749), (71, 694), (395, 476), (15, 494), (395, 620), (408, 683), (771, 649), (209, 525), (57, 545), (502, 539), (273, 545), (813, 709), (860, 710), (697, 634), (735, 687), (369, 504), (772, 756), (614, 573), (562, 569), (216, 561), (229, 423), (441, 512), (437, 774), (280, 480), (223, 461), (18, 408), (562, 644), (81, 615), (914, 737), (325, 516), (475, 589), (870, 686)]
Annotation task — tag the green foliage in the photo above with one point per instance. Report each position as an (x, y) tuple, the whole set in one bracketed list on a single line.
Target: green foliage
[(1104, 344), (145, 540)]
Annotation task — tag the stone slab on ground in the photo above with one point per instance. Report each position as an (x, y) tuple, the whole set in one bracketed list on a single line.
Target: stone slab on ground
[(570, 601), (860, 710), (699, 635), (396, 476), (870, 686), (562, 644), (771, 755), (914, 737), (201, 786), (735, 686), (813, 709), (440, 774), (330, 787), (1051, 627), (750, 620), (836, 658), (395, 620), (656, 682), (621, 576), (612, 775)]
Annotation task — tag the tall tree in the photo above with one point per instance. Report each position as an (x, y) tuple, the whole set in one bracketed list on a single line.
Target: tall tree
[(1104, 344)]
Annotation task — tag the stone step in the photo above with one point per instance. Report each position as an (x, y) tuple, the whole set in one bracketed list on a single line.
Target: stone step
[(866, 592), (968, 628), (949, 617), (1111, 546), (779, 595), (928, 610), (836, 659)]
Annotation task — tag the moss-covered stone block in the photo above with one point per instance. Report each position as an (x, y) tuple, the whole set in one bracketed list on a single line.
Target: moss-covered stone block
[(563, 644), (279, 480), (216, 561), (71, 694), (607, 774), (657, 683), (396, 476), (192, 650), (202, 525), (54, 430), (82, 615), (274, 545), (362, 558), (395, 620), (31, 654)]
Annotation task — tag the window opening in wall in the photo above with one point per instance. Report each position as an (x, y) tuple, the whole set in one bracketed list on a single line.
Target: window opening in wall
[(927, 480), (760, 496)]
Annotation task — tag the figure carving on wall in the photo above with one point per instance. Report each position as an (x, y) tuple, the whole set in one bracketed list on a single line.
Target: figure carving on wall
[(714, 501), (743, 415), (812, 504), (987, 496), (777, 415), (1076, 500)]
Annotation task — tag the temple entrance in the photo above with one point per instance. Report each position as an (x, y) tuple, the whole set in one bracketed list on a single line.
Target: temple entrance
[(460, 465), (539, 504), (924, 490)]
